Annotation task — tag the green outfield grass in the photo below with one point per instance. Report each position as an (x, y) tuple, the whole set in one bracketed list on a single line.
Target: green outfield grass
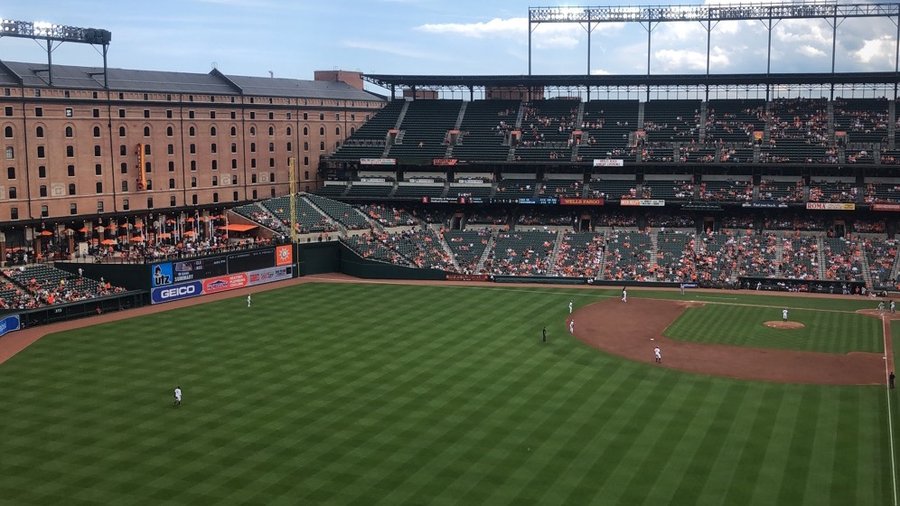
[(366, 394), (826, 331)]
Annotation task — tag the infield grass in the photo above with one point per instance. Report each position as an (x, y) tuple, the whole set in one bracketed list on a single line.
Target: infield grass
[(824, 331), (369, 394)]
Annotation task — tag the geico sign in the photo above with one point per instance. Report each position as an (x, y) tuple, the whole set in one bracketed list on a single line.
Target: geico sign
[(180, 291)]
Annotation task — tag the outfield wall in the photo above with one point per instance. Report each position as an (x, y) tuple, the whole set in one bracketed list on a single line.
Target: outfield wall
[(355, 265)]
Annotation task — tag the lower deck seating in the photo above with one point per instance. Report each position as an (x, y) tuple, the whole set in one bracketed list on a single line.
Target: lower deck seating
[(628, 256)]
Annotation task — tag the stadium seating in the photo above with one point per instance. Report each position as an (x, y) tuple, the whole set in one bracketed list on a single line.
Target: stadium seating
[(547, 130), (780, 190), (672, 121), (882, 192), (757, 255), (424, 130), (408, 190), (369, 140), (522, 253), (606, 126), (580, 255), (842, 260), (340, 212), (863, 119), (50, 285), (309, 220), (734, 121), (516, 188), (832, 191), (484, 130), (467, 247), (388, 216), (628, 256), (732, 190), (562, 188), (800, 258), (422, 247), (680, 187), (260, 215), (370, 190), (881, 255), (675, 257)]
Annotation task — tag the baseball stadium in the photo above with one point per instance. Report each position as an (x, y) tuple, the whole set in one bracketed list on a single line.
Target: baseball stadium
[(370, 288)]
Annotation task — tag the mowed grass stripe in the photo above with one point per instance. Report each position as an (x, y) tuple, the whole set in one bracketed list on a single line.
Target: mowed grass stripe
[(365, 394), (827, 332)]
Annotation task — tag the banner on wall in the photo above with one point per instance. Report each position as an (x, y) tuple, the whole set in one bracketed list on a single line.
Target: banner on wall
[(643, 202), (577, 201), (608, 162), (218, 284), (831, 206), (377, 161), (886, 207), (9, 324)]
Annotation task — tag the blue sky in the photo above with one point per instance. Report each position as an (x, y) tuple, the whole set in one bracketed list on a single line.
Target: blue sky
[(294, 38)]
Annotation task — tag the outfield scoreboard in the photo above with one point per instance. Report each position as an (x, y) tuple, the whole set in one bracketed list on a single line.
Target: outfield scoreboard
[(182, 279)]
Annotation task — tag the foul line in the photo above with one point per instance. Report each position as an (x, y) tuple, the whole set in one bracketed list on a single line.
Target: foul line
[(888, 360)]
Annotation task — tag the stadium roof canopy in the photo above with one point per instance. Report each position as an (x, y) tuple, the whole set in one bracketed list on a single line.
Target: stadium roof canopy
[(450, 81)]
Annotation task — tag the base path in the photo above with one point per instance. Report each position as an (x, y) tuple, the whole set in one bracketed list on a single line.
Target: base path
[(627, 329)]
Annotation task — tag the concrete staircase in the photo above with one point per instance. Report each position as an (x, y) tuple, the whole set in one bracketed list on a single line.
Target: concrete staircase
[(551, 260), (487, 251), (820, 244), (654, 249)]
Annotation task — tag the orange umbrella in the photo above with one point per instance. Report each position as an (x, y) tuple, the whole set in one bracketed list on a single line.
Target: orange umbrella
[(137, 238), (108, 242), (83, 230), (46, 233), (189, 232)]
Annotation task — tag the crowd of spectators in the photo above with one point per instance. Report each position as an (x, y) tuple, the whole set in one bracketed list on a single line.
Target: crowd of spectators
[(616, 219), (488, 217), (628, 256), (521, 254), (832, 191), (388, 216), (45, 285), (842, 260), (671, 221), (580, 255), (800, 258), (727, 191), (534, 218), (781, 191), (881, 255)]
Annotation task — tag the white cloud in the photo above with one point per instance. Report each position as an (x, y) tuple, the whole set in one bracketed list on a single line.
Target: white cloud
[(810, 52), (876, 50), (685, 60), (480, 29), (600, 72), (385, 47), (545, 35)]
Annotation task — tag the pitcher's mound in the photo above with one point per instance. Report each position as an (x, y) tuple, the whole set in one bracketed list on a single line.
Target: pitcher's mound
[(784, 325)]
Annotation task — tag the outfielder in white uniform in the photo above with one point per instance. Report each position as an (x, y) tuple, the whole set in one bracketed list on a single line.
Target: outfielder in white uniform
[(571, 326), (570, 307), (249, 300), (624, 294), (177, 396), (893, 307), (657, 353), (784, 315)]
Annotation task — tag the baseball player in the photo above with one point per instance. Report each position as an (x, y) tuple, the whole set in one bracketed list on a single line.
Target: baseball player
[(570, 307), (784, 315), (177, 396), (624, 294), (881, 307), (657, 354), (249, 300), (893, 307), (572, 327), (682, 288), (544, 335)]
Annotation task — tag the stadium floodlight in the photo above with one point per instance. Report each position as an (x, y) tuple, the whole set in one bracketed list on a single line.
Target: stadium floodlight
[(51, 32)]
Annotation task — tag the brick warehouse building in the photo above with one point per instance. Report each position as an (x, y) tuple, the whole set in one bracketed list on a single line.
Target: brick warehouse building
[(163, 141)]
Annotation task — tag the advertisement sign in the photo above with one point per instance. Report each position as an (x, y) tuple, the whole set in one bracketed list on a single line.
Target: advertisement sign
[(9, 324), (420, 180), (830, 206), (444, 162), (608, 162), (466, 180), (643, 202), (284, 255), (372, 180), (220, 284), (199, 268), (269, 275), (176, 292), (223, 283), (765, 205), (377, 161), (162, 274), (886, 207), (452, 200), (467, 277), (249, 260), (577, 201)]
